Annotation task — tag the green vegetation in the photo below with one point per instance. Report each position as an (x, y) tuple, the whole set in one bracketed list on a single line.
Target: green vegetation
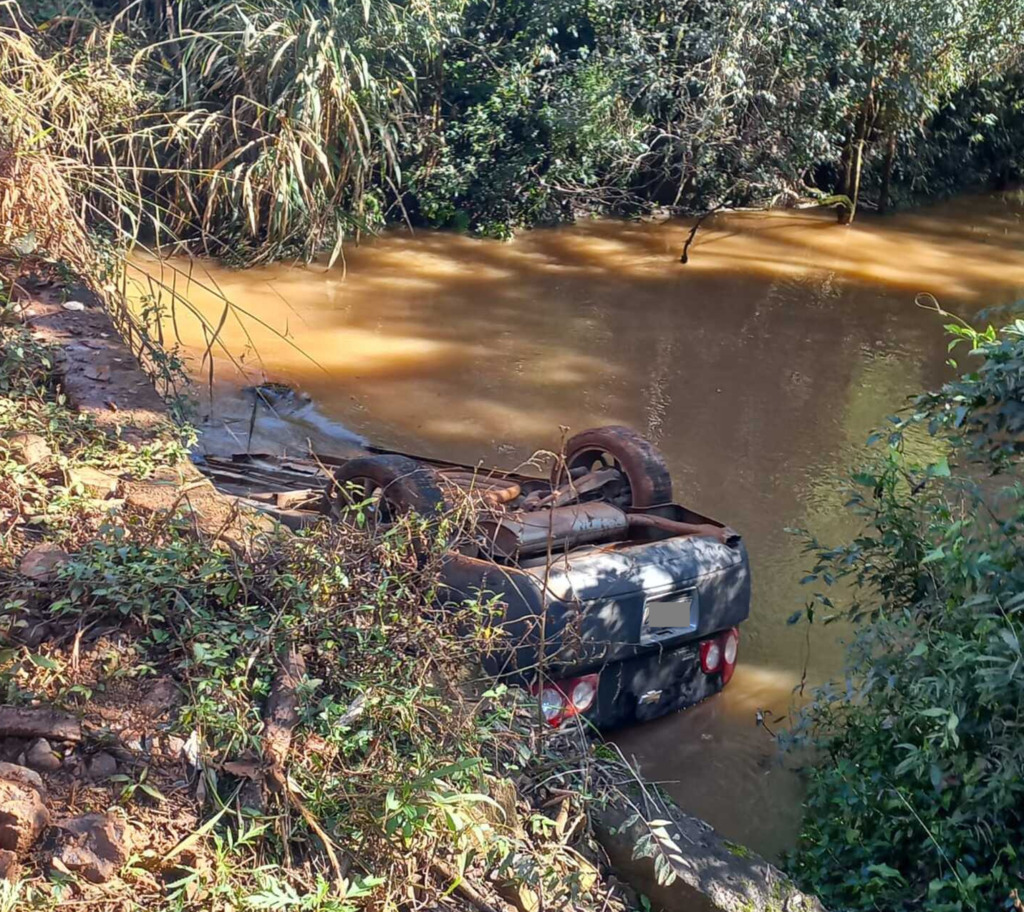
[(276, 128), (398, 779), (280, 127), (917, 801)]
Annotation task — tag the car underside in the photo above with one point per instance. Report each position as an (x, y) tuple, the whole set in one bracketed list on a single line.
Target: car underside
[(616, 604)]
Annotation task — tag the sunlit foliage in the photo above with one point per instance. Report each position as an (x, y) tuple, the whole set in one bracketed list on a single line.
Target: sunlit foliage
[(281, 127), (915, 801)]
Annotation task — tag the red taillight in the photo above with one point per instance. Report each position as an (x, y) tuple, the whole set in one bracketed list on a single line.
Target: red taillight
[(720, 653), (711, 656), (561, 700), (730, 652)]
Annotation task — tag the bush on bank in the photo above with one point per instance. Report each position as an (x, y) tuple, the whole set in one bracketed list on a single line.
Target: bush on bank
[(917, 800), (282, 126)]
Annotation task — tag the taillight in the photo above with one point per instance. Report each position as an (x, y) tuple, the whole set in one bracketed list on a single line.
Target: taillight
[(710, 657), (561, 700), (730, 651), (552, 704), (719, 654)]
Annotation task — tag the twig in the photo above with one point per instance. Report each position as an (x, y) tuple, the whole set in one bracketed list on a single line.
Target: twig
[(684, 257), (461, 886)]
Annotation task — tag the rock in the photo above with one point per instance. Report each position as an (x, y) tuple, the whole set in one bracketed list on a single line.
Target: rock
[(134, 743), (74, 306), (9, 866), (14, 772), (172, 746), (710, 873), (40, 756), (43, 561), (29, 449), (95, 483), (102, 766), (22, 816), (161, 698), (94, 845)]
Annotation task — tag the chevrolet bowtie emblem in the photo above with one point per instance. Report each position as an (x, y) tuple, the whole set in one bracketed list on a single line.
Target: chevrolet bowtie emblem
[(652, 696)]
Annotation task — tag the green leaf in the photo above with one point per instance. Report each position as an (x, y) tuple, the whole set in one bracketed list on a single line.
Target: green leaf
[(152, 791), (42, 661), (884, 870)]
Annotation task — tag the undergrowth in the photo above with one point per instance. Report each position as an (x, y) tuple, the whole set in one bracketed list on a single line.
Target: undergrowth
[(916, 801), (282, 128), (412, 782)]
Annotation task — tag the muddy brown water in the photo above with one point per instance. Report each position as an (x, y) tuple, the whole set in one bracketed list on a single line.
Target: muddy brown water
[(760, 368)]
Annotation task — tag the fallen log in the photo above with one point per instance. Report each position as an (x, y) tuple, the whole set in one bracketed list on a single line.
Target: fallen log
[(279, 720), (30, 722), (281, 717)]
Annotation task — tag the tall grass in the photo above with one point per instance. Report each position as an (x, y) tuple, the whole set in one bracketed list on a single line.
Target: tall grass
[(62, 129), (297, 112), (94, 164), (253, 131)]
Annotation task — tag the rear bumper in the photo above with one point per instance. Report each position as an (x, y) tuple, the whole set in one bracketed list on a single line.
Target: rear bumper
[(650, 686), (589, 611)]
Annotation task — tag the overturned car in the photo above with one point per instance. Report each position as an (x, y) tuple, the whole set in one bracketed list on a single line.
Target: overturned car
[(617, 604)]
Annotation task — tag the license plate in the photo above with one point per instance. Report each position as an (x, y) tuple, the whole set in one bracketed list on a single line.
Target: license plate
[(671, 615)]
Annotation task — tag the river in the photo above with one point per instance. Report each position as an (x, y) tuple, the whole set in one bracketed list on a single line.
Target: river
[(759, 368)]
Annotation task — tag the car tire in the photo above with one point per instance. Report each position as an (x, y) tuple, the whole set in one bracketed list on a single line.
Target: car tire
[(636, 457), (404, 485)]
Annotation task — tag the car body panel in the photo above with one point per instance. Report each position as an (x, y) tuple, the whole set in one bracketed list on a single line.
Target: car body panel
[(635, 609)]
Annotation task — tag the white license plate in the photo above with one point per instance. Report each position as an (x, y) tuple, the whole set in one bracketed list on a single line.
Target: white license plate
[(670, 616)]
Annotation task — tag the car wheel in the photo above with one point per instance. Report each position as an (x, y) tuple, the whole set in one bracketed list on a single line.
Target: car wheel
[(389, 486), (646, 474)]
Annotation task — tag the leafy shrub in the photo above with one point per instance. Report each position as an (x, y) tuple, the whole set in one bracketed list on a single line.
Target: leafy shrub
[(917, 799), (535, 148), (275, 127)]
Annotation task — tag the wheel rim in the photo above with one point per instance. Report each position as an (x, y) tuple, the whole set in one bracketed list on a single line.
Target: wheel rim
[(596, 459)]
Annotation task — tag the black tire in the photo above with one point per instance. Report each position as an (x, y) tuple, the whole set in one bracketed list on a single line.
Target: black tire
[(402, 485), (647, 475)]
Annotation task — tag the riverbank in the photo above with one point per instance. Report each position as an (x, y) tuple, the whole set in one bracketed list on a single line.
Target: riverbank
[(200, 707)]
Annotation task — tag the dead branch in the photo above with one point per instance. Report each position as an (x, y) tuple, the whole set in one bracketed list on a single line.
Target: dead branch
[(281, 717), (684, 257), (279, 721), (462, 886), (20, 722)]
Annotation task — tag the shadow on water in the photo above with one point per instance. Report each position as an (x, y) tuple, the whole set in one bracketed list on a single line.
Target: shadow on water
[(759, 368)]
